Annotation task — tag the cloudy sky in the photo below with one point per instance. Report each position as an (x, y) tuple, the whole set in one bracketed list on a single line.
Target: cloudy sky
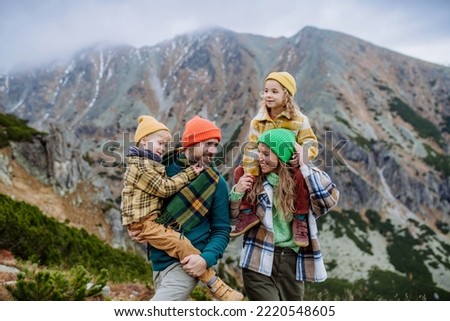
[(37, 31)]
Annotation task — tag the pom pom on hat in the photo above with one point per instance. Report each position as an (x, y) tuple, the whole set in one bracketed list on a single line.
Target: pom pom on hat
[(147, 125), (198, 130), (285, 79), (281, 141)]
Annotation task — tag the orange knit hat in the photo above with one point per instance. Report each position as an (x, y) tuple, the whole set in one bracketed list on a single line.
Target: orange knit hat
[(198, 130)]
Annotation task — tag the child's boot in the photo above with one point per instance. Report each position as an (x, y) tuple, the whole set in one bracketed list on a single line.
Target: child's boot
[(222, 291), (219, 289), (246, 219), (300, 230)]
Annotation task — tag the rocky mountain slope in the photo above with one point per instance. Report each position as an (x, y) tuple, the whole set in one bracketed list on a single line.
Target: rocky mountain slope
[(382, 119)]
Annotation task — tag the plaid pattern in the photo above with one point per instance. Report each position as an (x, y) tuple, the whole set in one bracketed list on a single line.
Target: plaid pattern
[(258, 250), (211, 235), (145, 187), (186, 209), (262, 122), (323, 192)]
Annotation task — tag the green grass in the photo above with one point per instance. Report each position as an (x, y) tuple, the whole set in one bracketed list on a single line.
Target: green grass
[(439, 162), (343, 121), (346, 224), (15, 129), (443, 227), (447, 124), (32, 236), (378, 286), (376, 224), (423, 126), (409, 256)]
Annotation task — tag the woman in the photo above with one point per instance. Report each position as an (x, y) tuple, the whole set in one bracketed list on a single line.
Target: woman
[(273, 267)]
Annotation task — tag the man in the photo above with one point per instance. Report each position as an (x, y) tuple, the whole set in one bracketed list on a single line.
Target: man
[(200, 211)]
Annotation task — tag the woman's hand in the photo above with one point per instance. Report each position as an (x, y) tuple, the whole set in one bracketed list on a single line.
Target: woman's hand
[(244, 184)]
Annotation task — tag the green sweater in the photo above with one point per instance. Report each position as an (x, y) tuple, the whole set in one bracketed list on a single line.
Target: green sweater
[(282, 229)]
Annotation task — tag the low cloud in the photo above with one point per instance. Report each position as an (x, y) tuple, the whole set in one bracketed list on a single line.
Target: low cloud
[(37, 31)]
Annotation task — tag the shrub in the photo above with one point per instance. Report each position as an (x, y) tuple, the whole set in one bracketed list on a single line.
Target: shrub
[(423, 126), (439, 162), (49, 285), (30, 235), (379, 285), (15, 129)]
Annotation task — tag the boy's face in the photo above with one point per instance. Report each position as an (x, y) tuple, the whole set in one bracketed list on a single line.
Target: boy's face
[(157, 142), (273, 94)]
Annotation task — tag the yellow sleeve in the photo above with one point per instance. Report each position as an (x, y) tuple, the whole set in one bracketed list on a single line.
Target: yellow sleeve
[(308, 139), (250, 160)]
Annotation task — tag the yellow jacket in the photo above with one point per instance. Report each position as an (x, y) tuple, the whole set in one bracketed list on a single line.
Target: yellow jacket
[(299, 124)]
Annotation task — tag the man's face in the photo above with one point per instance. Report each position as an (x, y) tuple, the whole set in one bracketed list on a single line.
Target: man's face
[(204, 151)]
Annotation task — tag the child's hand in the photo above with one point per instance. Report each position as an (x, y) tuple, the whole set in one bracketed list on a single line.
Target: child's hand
[(199, 167), (298, 155), (244, 184), (135, 236), (294, 160)]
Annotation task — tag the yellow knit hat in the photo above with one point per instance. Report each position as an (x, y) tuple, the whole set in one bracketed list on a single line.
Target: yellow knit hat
[(285, 79), (147, 125), (198, 130)]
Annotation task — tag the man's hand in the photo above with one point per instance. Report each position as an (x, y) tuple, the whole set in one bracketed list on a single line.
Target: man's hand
[(194, 265)]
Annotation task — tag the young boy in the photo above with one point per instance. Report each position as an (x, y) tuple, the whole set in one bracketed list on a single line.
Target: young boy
[(146, 185)]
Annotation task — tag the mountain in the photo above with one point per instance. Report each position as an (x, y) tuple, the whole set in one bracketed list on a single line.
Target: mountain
[(382, 119)]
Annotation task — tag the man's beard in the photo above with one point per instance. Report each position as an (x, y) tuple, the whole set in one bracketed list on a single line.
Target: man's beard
[(206, 160)]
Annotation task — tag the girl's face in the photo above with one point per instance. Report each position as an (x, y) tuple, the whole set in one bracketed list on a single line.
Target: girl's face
[(273, 94), (268, 160)]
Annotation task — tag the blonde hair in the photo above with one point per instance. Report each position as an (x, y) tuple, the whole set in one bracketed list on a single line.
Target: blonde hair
[(160, 133), (289, 104), (284, 194)]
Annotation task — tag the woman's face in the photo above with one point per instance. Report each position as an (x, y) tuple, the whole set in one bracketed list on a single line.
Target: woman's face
[(268, 160)]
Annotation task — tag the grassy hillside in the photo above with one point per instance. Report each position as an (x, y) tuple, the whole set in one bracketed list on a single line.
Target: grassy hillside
[(32, 236), (15, 129)]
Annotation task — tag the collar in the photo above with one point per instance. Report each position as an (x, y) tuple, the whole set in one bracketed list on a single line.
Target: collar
[(263, 114)]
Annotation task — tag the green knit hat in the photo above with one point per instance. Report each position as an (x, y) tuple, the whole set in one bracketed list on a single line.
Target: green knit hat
[(281, 141)]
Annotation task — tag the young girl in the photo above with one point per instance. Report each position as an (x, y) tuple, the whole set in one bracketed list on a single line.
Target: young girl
[(273, 266), (278, 110)]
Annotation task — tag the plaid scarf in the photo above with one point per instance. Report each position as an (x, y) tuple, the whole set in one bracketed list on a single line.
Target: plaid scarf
[(134, 151), (186, 208)]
